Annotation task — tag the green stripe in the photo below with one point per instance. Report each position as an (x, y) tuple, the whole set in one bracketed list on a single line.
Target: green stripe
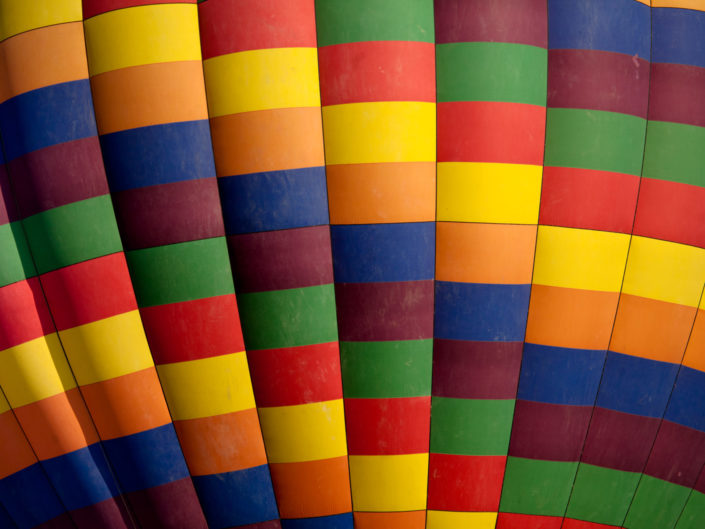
[(73, 233), (675, 152), (657, 504), (602, 495), (592, 139), (532, 486), (471, 427), (341, 21), (386, 369), (15, 259), (181, 272), (491, 71), (288, 318), (693, 516)]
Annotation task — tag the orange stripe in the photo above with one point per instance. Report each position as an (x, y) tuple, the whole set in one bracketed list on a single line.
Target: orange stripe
[(222, 443), (43, 57), (149, 94), (695, 353), (312, 488), (15, 452), (570, 317), (127, 404), (390, 520), (484, 253), (267, 140), (57, 425), (649, 328), (382, 192)]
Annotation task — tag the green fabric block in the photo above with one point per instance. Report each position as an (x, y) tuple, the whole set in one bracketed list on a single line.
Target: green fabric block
[(657, 504), (693, 516), (15, 258), (674, 152)]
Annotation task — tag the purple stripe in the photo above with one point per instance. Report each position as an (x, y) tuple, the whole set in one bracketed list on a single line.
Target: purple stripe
[(476, 370), (60, 522), (275, 260), (598, 80), (172, 505), (8, 211), (700, 484), (106, 514), (271, 524), (58, 175), (678, 454), (385, 311), (518, 21), (548, 431), (169, 213), (618, 440), (677, 94)]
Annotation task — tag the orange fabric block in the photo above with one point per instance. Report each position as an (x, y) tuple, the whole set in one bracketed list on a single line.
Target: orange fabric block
[(15, 452), (127, 404), (390, 520), (695, 352)]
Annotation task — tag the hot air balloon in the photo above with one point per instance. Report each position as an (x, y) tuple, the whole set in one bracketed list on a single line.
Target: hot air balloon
[(333, 264)]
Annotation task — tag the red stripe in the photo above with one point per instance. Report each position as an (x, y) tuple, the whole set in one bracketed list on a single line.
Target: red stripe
[(569, 523), (507, 520), (89, 291), (671, 211), (377, 71), (296, 375), (193, 329), (465, 483), (24, 315), (96, 7), (588, 199), (388, 426), (491, 132), (240, 25)]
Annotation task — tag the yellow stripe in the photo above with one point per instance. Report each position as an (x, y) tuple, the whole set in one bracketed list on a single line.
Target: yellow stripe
[(17, 16), (4, 405), (142, 35), (461, 520), (34, 371), (305, 432), (262, 80), (666, 271), (107, 348), (489, 192), (585, 259), (389, 483), (380, 132), (696, 5), (207, 387)]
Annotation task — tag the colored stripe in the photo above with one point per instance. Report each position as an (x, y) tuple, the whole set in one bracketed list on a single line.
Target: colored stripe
[(465, 483), (671, 145), (676, 36), (18, 17), (96, 7), (674, 94)]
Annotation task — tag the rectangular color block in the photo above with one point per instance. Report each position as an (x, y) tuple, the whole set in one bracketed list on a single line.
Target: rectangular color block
[(671, 145), (656, 504), (15, 259), (390, 520), (25, 316), (18, 18), (465, 483), (456, 520)]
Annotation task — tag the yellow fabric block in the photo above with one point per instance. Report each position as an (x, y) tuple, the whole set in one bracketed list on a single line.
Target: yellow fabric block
[(142, 35), (262, 80), (666, 271), (460, 520), (107, 348), (697, 5), (34, 370), (4, 405), (17, 16), (576, 258), (208, 386), (489, 192), (389, 483), (380, 132)]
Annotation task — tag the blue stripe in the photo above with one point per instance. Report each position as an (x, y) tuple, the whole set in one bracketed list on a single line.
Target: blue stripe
[(679, 36), (274, 200), (383, 252), (481, 312), (29, 498), (147, 459), (82, 477), (559, 375), (47, 116), (158, 154), (5, 520), (636, 385), (337, 521), (237, 498), (688, 399), (622, 26)]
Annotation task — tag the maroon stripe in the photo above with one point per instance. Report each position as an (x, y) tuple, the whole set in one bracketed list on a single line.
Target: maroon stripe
[(58, 175), (8, 211), (618, 440), (598, 80), (678, 454), (548, 431), (271, 524), (60, 522), (476, 370), (519, 21), (173, 504), (677, 94), (169, 213), (275, 260), (106, 514), (385, 311), (700, 484)]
